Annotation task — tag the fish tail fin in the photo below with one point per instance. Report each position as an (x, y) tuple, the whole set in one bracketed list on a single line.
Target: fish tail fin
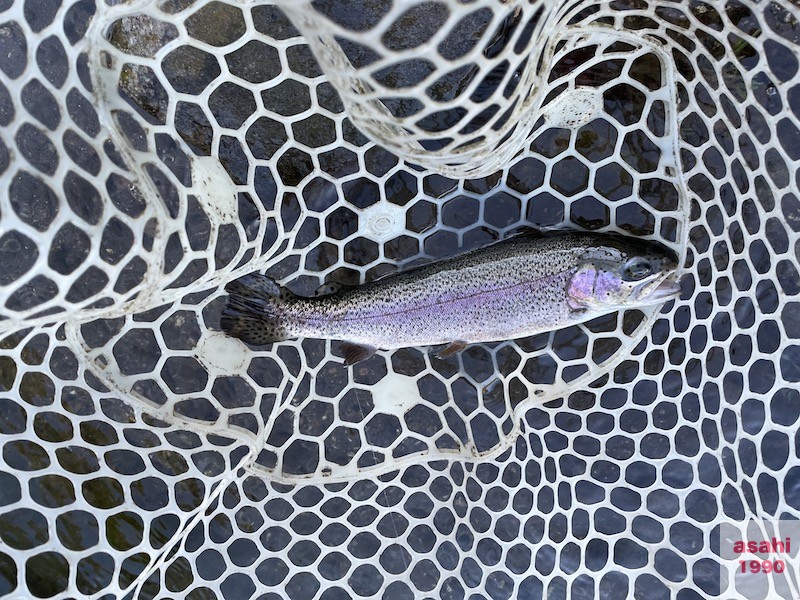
[(252, 311)]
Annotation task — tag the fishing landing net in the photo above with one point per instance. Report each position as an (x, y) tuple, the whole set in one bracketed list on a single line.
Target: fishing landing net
[(152, 151)]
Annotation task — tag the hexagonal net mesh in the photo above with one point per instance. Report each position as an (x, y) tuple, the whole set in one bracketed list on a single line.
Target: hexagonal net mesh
[(152, 151)]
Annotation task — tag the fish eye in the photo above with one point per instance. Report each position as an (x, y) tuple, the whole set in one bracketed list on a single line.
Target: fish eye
[(637, 268)]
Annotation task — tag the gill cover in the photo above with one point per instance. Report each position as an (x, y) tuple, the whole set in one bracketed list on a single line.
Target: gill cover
[(622, 274)]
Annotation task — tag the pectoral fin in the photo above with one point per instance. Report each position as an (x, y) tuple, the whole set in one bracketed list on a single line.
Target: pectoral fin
[(354, 353), (451, 348)]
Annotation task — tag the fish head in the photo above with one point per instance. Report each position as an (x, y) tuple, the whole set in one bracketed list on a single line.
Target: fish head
[(621, 273)]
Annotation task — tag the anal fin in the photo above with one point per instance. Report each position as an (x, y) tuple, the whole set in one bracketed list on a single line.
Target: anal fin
[(354, 353), (452, 348)]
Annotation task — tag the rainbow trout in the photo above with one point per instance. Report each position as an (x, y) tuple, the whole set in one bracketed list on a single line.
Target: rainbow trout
[(515, 288)]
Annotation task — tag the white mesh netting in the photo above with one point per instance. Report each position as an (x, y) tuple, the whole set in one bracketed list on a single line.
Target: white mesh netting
[(153, 150)]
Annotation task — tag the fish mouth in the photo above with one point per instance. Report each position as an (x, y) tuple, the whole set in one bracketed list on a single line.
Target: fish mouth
[(668, 289)]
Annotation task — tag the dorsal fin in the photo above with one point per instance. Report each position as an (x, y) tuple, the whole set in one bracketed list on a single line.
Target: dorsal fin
[(329, 288)]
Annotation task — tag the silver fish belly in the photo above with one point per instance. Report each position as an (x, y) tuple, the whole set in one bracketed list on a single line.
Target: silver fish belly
[(515, 288)]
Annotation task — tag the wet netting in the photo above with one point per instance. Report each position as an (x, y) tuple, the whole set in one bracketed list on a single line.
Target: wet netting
[(152, 151)]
